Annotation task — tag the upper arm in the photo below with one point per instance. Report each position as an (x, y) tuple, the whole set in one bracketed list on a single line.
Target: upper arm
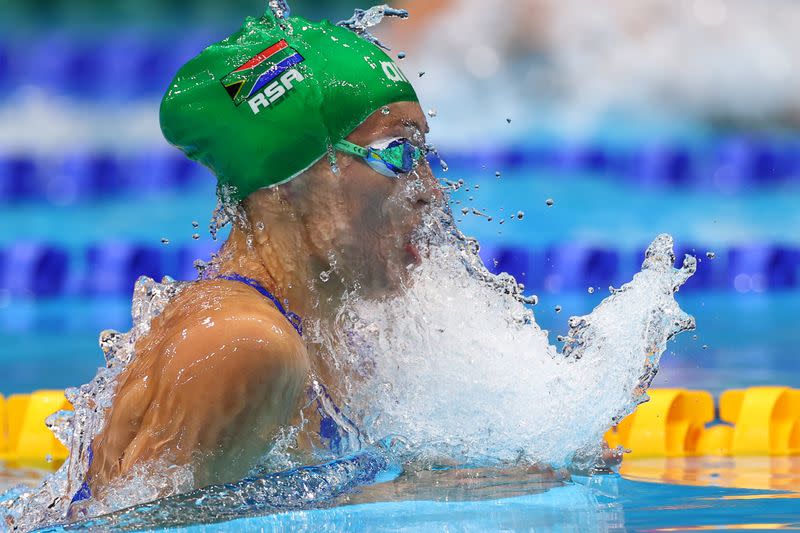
[(205, 378)]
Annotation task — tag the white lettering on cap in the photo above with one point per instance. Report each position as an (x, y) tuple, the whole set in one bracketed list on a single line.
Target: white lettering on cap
[(392, 71)]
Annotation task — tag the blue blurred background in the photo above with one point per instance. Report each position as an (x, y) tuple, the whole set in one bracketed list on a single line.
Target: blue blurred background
[(636, 118)]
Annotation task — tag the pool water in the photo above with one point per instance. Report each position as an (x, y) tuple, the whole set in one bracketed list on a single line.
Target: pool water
[(744, 338), (687, 494)]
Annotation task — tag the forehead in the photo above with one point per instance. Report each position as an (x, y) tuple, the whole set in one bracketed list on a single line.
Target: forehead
[(402, 119)]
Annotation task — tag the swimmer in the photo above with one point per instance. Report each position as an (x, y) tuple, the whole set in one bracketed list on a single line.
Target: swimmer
[(318, 137)]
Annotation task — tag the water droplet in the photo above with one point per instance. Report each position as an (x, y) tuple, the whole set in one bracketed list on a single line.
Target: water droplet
[(694, 337), (432, 113), (164, 240), (464, 210), (48, 458), (489, 219), (558, 309), (280, 8), (502, 221), (590, 290), (196, 236), (497, 174), (471, 198), (444, 166), (195, 224), (476, 186), (324, 276), (549, 202), (260, 226), (385, 110), (705, 346), (422, 73), (520, 215), (561, 338), (711, 255), (401, 55), (508, 120)]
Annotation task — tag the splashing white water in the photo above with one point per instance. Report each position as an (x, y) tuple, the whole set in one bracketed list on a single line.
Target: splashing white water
[(457, 367), (76, 429)]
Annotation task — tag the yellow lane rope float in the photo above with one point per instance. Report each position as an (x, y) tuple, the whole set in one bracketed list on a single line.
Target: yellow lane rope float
[(759, 421)]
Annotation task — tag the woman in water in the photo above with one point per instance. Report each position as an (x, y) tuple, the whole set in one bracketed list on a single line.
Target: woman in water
[(317, 141)]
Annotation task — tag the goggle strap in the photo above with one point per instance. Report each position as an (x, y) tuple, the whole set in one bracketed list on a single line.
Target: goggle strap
[(350, 148)]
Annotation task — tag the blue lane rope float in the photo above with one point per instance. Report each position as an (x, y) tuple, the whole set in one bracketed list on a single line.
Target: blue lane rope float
[(89, 175), (42, 270)]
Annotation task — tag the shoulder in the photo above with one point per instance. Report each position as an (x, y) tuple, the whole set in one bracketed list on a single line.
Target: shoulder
[(221, 313)]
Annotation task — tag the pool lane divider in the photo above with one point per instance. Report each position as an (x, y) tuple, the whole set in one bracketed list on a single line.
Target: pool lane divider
[(759, 421), (25, 440), (34, 269)]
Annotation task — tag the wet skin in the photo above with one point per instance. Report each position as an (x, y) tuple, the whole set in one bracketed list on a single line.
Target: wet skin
[(221, 369)]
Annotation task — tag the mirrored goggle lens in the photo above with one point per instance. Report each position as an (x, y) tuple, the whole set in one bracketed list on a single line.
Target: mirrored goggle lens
[(399, 156)]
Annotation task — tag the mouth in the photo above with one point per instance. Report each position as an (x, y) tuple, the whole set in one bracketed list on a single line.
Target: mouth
[(413, 252)]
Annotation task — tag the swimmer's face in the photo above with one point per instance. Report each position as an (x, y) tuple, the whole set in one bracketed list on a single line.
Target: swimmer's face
[(361, 219)]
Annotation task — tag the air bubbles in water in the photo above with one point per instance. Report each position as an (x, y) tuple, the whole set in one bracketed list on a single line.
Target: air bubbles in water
[(590, 290), (385, 110), (195, 224), (520, 215), (432, 113), (401, 55), (711, 255), (549, 202), (195, 236), (164, 240), (558, 309)]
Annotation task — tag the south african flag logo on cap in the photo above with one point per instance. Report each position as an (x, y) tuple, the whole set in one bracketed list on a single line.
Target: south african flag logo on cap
[(258, 71)]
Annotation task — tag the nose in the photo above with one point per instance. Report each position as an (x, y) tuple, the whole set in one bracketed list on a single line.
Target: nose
[(430, 190)]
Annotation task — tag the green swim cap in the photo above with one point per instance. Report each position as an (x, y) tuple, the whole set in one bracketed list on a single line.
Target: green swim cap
[(263, 105)]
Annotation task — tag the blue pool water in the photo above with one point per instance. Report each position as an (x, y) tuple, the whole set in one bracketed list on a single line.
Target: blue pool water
[(610, 504), (745, 337), (52, 342), (651, 495)]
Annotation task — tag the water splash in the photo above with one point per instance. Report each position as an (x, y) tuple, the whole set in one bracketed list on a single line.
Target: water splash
[(364, 19), (300, 488), (76, 429), (280, 8), (455, 364)]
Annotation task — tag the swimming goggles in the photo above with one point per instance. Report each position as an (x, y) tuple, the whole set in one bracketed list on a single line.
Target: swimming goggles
[(398, 157)]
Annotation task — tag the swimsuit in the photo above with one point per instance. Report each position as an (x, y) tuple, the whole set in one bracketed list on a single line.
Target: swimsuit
[(293, 319)]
